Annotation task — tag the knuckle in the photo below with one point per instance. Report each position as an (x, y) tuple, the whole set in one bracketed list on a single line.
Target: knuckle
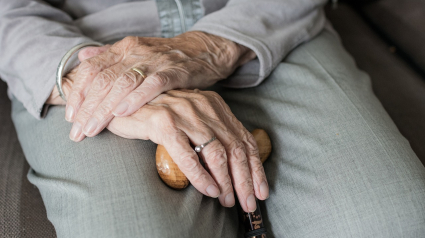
[(76, 97), (105, 110), (258, 170), (167, 57), (246, 185), (226, 182), (166, 117), (183, 105), (201, 98), (103, 81), (159, 80), (129, 40), (199, 177), (251, 148), (87, 66), (85, 111), (179, 54), (128, 80), (187, 161), (216, 159), (136, 96), (237, 148)]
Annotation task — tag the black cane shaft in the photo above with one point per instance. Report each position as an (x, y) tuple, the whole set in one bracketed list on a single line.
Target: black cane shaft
[(253, 223)]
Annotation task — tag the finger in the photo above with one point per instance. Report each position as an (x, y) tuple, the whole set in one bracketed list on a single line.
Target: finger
[(239, 169), (136, 126), (87, 71), (256, 168), (259, 178), (215, 159), (102, 115), (151, 87), (99, 89), (188, 162), (173, 125), (261, 186), (92, 51), (237, 159)]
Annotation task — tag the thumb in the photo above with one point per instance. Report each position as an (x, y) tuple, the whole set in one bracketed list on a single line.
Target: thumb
[(92, 51)]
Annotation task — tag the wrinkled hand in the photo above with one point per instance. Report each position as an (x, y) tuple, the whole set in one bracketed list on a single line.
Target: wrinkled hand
[(177, 118), (107, 87), (68, 80)]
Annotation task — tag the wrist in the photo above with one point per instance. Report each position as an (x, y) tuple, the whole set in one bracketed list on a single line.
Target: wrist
[(245, 55), (225, 55)]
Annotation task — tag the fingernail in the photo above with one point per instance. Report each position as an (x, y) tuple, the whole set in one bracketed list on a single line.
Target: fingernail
[(229, 200), (213, 191), (69, 115), (121, 108), (75, 131), (251, 203), (90, 126), (264, 190)]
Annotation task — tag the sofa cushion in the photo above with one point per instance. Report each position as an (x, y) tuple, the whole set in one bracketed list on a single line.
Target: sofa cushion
[(22, 213), (403, 23), (400, 89)]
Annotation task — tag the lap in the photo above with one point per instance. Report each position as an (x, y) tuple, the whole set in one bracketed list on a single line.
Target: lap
[(108, 186), (339, 166)]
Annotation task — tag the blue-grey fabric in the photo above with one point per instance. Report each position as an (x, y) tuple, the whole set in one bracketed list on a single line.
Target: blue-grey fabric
[(178, 16), (34, 35), (339, 166)]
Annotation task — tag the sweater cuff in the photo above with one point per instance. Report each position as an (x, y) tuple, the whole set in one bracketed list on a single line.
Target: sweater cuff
[(252, 73)]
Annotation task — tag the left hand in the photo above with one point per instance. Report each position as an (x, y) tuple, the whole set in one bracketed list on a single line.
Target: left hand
[(107, 87)]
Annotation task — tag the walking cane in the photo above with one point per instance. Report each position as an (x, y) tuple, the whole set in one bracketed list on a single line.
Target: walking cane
[(174, 178)]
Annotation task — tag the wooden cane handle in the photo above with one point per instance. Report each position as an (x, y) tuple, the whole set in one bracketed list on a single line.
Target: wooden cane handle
[(174, 177)]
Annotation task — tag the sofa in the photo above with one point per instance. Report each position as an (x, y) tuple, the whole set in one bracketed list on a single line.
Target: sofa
[(386, 39)]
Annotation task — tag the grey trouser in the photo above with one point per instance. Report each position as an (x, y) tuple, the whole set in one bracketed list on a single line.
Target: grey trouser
[(339, 166)]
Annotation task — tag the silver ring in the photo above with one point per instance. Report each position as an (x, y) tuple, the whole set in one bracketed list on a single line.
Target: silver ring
[(200, 147), (64, 60)]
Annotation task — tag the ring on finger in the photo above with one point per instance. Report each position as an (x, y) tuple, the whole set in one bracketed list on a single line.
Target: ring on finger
[(139, 71), (199, 148)]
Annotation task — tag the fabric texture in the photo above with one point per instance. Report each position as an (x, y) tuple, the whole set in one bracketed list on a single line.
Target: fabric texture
[(277, 28), (398, 86), (22, 213), (339, 166), (176, 17), (11, 164), (36, 29)]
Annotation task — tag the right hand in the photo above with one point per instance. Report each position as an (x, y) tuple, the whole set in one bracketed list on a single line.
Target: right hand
[(176, 119)]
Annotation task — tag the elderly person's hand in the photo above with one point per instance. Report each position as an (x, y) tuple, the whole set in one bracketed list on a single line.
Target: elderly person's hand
[(106, 85), (177, 119), (68, 80)]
